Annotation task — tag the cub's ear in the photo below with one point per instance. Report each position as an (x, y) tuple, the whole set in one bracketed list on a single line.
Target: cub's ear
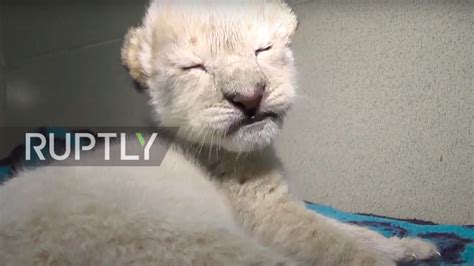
[(293, 24), (131, 49), (285, 20)]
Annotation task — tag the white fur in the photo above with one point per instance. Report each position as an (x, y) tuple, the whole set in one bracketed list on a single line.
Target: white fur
[(219, 197)]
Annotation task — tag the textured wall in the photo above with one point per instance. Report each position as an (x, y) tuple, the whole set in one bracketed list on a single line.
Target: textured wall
[(2, 74), (384, 121), (63, 63), (3, 101)]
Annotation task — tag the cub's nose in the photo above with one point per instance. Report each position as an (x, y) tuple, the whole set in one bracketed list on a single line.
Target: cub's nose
[(247, 103)]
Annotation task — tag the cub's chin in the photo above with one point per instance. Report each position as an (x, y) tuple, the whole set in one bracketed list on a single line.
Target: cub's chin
[(252, 136), (244, 135)]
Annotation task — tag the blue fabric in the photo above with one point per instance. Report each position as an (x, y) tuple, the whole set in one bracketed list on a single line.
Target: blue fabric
[(5, 172), (456, 243)]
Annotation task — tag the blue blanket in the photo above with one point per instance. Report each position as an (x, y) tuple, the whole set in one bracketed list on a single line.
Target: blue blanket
[(456, 243)]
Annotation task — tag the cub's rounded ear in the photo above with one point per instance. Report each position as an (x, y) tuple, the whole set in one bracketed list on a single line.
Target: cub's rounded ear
[(297, 26), (285, 20), (293, 25), (131, 49)]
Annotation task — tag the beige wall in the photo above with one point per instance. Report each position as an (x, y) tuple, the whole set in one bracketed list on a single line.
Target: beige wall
[(384, 121)]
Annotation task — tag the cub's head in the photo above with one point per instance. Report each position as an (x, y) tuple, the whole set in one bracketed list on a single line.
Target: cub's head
[(221, 71)]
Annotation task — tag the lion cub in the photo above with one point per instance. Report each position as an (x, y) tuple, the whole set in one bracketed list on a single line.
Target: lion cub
[(223, 73)]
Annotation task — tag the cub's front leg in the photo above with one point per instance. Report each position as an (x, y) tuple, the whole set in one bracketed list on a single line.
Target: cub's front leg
[(398, 249), (265, 208)]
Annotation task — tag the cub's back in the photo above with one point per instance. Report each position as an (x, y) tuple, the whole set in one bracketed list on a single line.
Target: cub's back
[(79, 206)]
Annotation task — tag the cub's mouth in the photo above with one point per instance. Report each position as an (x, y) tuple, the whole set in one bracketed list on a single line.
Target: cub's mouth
[(259, 118)]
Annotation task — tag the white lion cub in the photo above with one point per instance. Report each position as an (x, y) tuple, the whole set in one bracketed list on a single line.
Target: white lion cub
[(223, 73)]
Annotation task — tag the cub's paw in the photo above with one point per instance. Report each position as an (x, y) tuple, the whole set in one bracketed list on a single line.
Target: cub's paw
[(411, 249)]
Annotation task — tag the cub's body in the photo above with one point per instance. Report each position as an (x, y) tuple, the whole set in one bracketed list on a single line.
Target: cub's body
[(68, 215)]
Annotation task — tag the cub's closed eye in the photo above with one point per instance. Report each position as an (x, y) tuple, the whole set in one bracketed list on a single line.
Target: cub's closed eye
[(261, 50), (196, 66)]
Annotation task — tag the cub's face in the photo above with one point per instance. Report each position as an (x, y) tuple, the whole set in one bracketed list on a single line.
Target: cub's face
[(221, 72)]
